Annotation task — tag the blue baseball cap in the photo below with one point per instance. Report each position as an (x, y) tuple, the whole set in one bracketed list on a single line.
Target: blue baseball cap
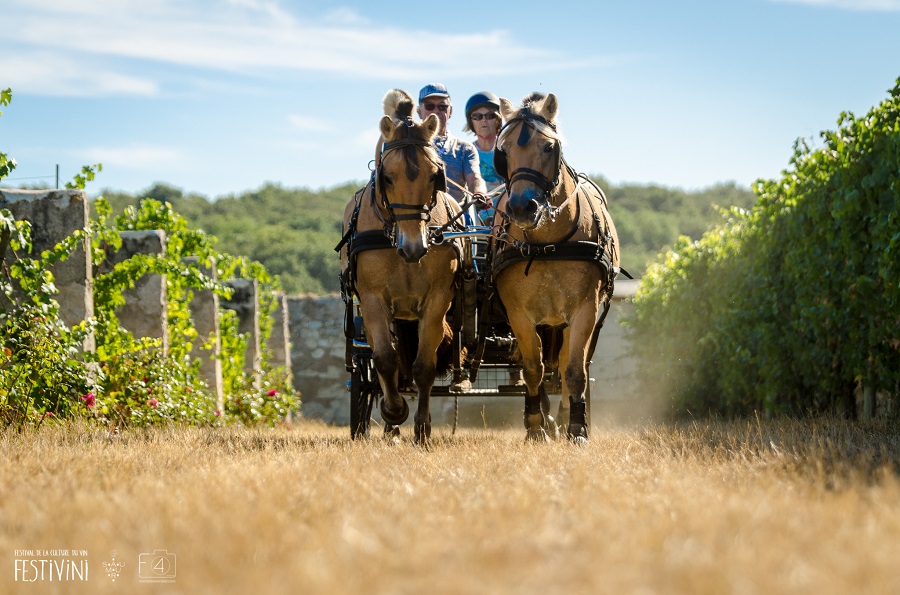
[(433, 90)]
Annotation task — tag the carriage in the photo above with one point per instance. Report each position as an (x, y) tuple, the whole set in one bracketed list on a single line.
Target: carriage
[(438, 307), (484, 346)]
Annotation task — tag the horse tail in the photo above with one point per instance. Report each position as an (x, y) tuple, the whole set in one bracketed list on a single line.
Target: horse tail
[(398, 103)]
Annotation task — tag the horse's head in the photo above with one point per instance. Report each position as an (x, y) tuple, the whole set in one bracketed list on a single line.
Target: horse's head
[(409, 175), (529, 157)]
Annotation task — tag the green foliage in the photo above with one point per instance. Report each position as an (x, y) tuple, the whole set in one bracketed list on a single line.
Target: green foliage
[(787, 306), (650, 218), (291, 232), (179, 393), (41, 375), (7, 164), (88, 173)]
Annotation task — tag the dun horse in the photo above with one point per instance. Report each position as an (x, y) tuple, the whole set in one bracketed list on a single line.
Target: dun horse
[(387, 259), (555, 260)]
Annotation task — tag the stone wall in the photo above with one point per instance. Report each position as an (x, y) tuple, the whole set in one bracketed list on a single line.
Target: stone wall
[(318, 347)]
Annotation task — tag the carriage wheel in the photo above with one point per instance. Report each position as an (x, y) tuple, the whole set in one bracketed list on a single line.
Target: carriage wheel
[(361, 400)]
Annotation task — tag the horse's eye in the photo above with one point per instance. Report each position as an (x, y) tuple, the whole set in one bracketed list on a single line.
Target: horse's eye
[(548, 148), (388, 180)]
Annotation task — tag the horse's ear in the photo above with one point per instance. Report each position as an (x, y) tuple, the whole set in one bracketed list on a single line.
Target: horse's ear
[(507, 109), (551, 107), (387, 127), (431, 125)]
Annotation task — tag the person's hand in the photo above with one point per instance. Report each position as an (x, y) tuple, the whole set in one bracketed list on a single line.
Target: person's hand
[(481, 201)]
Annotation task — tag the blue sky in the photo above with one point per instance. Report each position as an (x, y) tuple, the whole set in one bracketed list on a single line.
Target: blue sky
[(222, 96)]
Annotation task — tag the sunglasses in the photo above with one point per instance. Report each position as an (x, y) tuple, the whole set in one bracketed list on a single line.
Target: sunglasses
[(488, 116), (441, 107)]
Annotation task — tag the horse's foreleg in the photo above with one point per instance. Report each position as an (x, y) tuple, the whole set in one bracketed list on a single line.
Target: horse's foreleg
[(575, 379), (562, 414), (394, 409), (529, 343), (431, 333)]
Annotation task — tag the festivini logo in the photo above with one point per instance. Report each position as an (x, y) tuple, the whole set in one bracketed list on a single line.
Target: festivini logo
[(61, 565), (54, 565)]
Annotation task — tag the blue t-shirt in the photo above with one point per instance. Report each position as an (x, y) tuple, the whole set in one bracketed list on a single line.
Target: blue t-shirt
[(460, 159), (491, 179)]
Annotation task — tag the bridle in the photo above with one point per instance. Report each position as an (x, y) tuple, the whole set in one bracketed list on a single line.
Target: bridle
[(529, 120), (420, 212)]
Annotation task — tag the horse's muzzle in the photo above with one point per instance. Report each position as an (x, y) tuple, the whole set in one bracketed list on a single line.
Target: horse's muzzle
[(524, 209), (412, 249)]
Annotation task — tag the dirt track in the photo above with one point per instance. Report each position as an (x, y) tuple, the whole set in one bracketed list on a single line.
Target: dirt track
[(745, 507)]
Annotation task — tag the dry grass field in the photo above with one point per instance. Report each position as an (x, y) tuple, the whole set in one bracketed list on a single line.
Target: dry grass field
[(708, 507)]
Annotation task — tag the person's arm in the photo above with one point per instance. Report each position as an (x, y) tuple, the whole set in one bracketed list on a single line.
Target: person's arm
[(475, 183)]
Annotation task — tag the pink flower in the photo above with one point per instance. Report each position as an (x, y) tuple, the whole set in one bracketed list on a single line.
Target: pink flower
[(272, 392), (217, 413), (88, 399), (188, 389), (153, 403)]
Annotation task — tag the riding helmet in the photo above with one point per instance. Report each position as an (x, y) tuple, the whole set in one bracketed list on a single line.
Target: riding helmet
[(480, 99)]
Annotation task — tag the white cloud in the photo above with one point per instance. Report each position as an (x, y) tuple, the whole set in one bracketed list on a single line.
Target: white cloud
[(308, 123), (138, 157), (268, 8), (345, 16), (49, 73), (247, 37), (859, 5)]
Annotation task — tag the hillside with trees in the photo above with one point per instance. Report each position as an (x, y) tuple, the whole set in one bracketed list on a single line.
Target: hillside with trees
[(292, 231)]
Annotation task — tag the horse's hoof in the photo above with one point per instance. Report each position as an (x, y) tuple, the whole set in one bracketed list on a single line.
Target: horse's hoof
[(391, 418), (423, 434), (577, 434), (537, 435), (392, 433)]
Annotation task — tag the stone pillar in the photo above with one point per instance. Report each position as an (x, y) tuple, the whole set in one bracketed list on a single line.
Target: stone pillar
[(54, 215), (245, 303), (279, 343), (204, 308), (144, 313)]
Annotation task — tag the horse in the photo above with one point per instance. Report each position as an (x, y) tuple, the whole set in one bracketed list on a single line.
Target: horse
[(390, 262), (555, 256)]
